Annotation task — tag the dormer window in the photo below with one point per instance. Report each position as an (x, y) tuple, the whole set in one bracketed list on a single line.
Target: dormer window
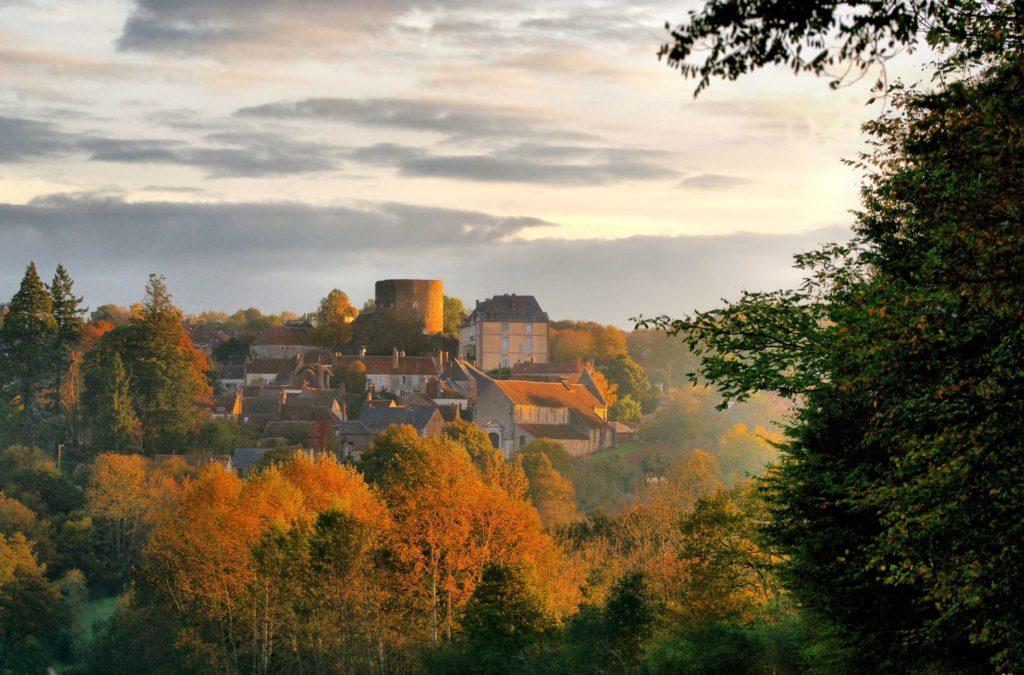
[(504, 327)]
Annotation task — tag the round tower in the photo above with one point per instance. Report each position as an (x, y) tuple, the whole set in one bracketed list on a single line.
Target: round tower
[(422, 298)]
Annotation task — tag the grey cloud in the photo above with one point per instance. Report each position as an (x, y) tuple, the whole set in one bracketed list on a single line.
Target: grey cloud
[(196, 26), (24, 140), (236, 154), (458, 120), (286, 255), (532, 164), (714, 181)]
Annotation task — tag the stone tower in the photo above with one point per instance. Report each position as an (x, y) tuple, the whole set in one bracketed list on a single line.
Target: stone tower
[(423, 298)]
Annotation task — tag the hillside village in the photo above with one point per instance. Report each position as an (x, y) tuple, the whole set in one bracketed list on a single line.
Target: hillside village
[(290, 391)]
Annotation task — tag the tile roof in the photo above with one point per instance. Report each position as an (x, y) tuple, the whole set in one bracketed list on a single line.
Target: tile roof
[(385, 365), (553, 395), (547, 368), (553, 431), (508, 308), (352, 428)]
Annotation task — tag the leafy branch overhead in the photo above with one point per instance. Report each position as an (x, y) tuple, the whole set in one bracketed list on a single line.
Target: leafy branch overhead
[(731, 38)]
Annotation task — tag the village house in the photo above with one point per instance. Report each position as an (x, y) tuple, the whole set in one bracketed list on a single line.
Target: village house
[(281, 342), (504, 330), (515, 412), (397, 374), (426, 420)]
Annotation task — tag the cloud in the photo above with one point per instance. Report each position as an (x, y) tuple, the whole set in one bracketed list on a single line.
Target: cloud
[(458, 120), (236, 154), (199, 26), (288, 255), (524, 163), (714, 181), (24, 140)]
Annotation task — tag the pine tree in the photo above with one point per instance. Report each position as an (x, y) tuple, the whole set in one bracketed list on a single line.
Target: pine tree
[(67, 316), (26, 352), (116, 428)]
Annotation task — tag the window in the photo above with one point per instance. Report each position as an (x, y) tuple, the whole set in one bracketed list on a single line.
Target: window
[(504, 344), (504, 360), (403, 379), (504, 327), (529, 344), (529, 328), (415, 380)]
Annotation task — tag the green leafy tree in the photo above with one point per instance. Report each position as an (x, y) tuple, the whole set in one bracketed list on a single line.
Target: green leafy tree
[(736, 37), (626, 409), (334, 321), (454, 314), (896, 501), (631, 380), (31, 611), (27, 352), (502, 618)]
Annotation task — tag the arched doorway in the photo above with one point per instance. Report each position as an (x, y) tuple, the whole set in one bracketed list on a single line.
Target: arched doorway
[(495, 440)]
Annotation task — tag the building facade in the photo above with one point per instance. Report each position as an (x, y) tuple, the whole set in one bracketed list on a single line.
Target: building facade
[(503, 331)]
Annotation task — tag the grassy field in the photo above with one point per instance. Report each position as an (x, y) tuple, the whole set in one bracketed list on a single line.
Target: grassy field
[(95, 612)]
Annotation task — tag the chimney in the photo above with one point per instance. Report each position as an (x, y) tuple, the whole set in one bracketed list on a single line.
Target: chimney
[(394, 358), (320, 377), (513, 302), (362, 350), (402, 354)]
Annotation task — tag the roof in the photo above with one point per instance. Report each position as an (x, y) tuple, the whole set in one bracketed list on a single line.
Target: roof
[(508, 308), (352, 428), (272, 366), (287, 336), (225, 403), (553, 395), (230, 372), (380, 418), (243, 458), (563, 432), (525, 368), (385, 365), (260, 405)]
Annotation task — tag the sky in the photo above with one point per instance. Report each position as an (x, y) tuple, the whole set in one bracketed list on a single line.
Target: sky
[(262, 152)]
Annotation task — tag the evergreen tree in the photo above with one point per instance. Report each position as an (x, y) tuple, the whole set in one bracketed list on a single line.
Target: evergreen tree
[(170, 391), (26, 352), (67, 316), (115, 427)]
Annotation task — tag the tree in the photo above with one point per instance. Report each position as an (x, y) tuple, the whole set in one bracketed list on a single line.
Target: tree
[(895, 501), (334, 320), (454, 314), (115, 427), (553, 495), (168, 375), (736, 38), (31, 612), (69, 324), (503, 616), (626, 409), (631, 380), (26, 351)]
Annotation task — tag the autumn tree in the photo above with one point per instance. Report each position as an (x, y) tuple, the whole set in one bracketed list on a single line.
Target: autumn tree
[(31, 612), (334, 319)]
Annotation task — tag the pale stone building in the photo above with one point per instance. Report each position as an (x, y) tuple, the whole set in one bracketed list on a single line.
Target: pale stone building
[(503, 331)]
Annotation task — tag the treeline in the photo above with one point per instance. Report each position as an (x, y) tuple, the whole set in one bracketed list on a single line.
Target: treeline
[(431, 557)]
